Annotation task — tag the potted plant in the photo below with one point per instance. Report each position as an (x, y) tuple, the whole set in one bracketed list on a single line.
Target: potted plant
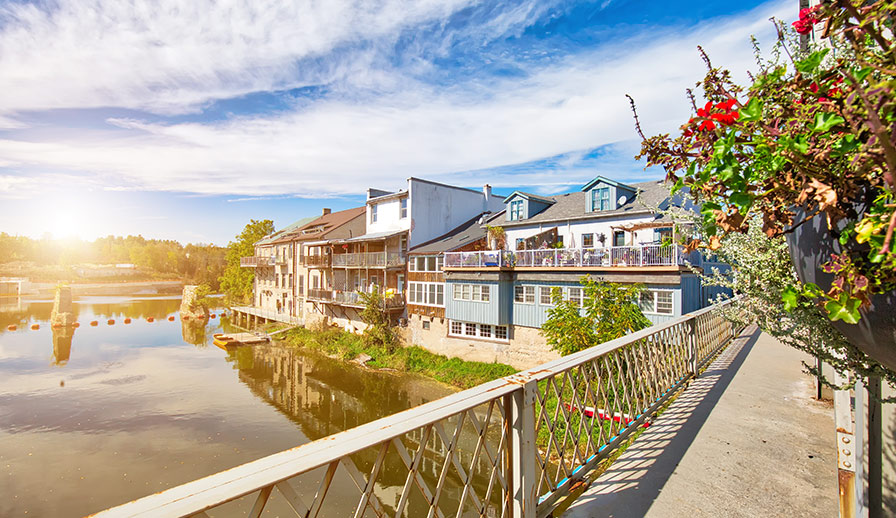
[(807, 147)]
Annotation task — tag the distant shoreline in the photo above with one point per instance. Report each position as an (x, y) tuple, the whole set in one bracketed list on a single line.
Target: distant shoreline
[(111, 288)]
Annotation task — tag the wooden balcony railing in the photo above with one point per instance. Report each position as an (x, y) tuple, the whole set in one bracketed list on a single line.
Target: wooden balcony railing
[(256, 261)]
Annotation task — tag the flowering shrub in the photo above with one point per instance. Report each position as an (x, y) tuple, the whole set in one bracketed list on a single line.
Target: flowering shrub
[(813, 135)]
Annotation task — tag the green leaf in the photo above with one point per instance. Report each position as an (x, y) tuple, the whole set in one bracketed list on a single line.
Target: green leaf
[(847, 144), (752, 111), (862, 73), (790, 296), (824, 121), (741, 199), (812, 291), (809, 64), (845, 309)]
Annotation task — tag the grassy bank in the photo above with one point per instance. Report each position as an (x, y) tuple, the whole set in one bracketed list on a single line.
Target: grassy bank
[(348, 346)]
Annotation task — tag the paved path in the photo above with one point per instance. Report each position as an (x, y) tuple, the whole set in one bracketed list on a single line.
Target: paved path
[(745, 439)]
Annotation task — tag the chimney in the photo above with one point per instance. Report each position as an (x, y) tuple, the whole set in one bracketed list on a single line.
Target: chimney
[(325, 212), (487, 191)]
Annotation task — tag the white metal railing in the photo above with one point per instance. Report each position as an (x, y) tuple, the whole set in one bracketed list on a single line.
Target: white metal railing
[(351, 298), (255, 261), (368, 259), (510, 447), (638, 255)]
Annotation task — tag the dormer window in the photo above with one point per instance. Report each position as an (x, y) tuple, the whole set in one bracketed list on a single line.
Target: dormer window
[(516, 210), (600, 199)]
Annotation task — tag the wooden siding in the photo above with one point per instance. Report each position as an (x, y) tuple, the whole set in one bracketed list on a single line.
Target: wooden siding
[(427, 311), (426, 276)]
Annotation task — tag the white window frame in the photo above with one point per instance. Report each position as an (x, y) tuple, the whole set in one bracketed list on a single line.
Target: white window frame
[(373, 213), (516, 210), (426, 293), (471, 292), (655, 305), (526, 292), (403, 204), (489, 332), (591, 237)]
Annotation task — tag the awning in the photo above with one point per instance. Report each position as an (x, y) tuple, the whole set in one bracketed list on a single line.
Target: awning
[(376, 236)]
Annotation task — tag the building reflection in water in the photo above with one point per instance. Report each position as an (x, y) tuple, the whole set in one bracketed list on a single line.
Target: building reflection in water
[(62, 344), (325, 396)]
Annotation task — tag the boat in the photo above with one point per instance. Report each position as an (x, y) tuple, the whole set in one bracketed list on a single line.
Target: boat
[(222, 340)]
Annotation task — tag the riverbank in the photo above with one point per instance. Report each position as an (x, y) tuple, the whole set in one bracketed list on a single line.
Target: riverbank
[(412, 359)]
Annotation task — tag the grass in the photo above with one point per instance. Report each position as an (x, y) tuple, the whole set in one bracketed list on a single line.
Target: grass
[(413, 359)]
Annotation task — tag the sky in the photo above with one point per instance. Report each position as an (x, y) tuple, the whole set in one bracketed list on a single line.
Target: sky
[(184, 119)]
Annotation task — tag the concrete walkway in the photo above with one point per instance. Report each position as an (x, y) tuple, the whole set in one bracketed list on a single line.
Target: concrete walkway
[(744, 439)]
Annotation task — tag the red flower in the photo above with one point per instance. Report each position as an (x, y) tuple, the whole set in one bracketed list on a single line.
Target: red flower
[(807, 20), (707, 125)]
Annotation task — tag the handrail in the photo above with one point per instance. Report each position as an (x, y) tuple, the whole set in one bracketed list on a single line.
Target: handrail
[(532, 433), (617, 256)]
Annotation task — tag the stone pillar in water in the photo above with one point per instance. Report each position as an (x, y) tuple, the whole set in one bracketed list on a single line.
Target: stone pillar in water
[(189, 305), (62, 307)]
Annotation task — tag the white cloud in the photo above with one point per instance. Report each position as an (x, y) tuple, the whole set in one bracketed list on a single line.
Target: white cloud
[(341, 146)]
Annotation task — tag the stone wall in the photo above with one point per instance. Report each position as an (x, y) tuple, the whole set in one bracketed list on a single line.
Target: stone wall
[(188, 305), (526, 348), (63, 313)]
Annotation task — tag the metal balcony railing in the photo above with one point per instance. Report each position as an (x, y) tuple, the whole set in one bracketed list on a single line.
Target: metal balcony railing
[(369, 260), (639, 255), (512, 447), (256, 261)]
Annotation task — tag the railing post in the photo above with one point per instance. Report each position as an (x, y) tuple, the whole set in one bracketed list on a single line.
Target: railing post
[(524, 477), (692, 345)]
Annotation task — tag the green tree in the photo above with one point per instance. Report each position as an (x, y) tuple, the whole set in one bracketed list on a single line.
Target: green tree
[(236, 282), (610, 311), (379, 328)]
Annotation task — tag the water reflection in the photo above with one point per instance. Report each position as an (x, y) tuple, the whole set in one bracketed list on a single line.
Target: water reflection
[(141, 408), (62, 344)]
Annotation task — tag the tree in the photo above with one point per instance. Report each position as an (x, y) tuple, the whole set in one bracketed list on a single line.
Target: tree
[(610, 311), (379, 328), (236, 282)]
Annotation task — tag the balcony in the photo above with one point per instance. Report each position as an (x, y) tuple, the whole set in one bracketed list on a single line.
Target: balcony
[(350, 298), (316, 261), (256, 261), (369, 260), (617, 256)]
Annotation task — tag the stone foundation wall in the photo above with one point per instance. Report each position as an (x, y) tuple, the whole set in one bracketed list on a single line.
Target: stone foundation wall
[(526, 348)]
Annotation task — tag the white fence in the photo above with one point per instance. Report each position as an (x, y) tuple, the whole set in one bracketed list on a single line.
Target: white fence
[(511, 447), (617, 256)]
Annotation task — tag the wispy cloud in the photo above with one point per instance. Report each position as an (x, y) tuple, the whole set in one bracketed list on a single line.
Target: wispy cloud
[(399, 125)]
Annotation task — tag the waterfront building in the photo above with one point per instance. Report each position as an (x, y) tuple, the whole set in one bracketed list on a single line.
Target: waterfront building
[(282, 275), (495, 301), (396, 221)]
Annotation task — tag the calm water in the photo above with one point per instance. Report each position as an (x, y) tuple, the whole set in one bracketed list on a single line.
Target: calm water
[(98, 416)]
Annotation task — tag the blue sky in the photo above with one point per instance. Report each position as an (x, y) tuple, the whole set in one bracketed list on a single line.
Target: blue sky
[(183, 119)]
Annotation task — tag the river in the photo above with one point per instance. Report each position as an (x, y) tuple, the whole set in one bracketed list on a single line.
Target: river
[(96, 416)]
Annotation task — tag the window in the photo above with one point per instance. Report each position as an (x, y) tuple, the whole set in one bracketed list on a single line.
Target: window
[(456, 327), (404, 208), (600, 199), (516, 210), (524, 294), (657, 302), (619, 238), (373, 213), (426, 293), (545, 295), (472, 329), (520, 243), (664, 302), (575, 296), (587, 240), (426, 264), (474, 292), (430, 264), (426, 324)]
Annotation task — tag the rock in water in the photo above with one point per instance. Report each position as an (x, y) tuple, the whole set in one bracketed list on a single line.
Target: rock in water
[(62, 307), (189, 304)]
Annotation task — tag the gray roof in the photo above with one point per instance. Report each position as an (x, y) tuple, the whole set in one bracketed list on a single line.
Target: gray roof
[(529, 195), (571, 206), (280, 233), (371, 237), (463, 235)]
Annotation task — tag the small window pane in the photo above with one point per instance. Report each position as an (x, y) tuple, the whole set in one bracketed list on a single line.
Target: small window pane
[(517, 293), (588, 240), (432, 294), (530, 294), (645, 302), (545, 295), (501, 332), (470, 329), (430, 264), (664, 302), (575, 296), (467, 291), (440, 295), (485, 293), (457, 292), (485, 330), (456, 327)]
